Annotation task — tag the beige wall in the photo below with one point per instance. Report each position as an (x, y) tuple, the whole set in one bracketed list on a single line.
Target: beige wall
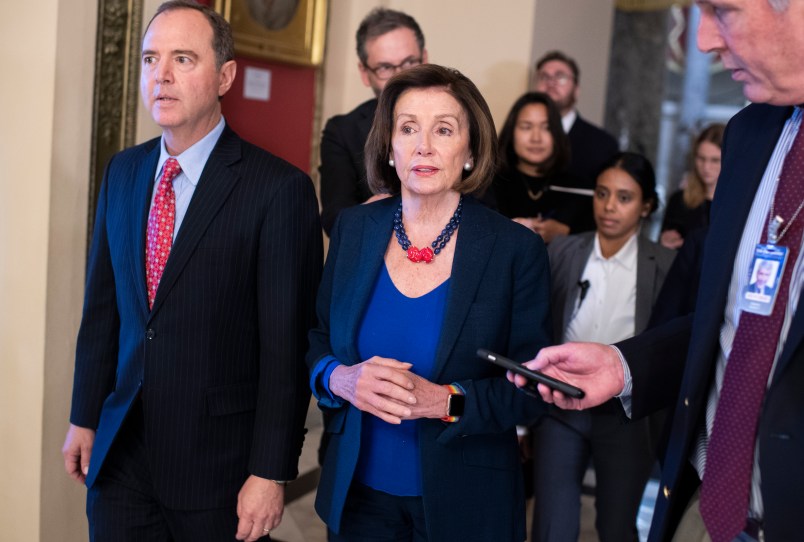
[(47, 48), (582, 29), (492, 43), (24, 174)]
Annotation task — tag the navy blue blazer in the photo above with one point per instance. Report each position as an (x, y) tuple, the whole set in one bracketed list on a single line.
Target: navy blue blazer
[(661, 377), (498, 299), (218, 360)]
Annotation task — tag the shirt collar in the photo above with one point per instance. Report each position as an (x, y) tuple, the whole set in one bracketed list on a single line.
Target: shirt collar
[(568, 120), (626, 256), (193, 160)]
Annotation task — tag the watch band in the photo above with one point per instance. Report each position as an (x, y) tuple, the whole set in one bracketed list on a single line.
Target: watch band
[(455, 403)]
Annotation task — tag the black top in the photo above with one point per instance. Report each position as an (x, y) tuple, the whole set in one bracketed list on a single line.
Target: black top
[(591, 149), (521, 195), (684, 219)]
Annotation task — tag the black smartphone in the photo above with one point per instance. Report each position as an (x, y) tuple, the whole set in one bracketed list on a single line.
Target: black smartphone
[(536, 376)]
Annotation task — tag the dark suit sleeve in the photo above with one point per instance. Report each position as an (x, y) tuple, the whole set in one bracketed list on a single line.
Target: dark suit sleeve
[(340, 180), (289, 270), (680, 289), (320, 346), (97, 345), (657, 358), (562, 285), (494, 405)]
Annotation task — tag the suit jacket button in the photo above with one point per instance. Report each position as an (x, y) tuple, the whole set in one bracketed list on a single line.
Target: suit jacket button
[(666, 492), (686, 401), (150, 334)]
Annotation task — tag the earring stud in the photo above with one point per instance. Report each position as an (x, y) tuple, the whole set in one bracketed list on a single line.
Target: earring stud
[(391, 162)]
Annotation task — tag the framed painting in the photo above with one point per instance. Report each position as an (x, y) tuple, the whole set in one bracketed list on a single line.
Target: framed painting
[(286, 30)]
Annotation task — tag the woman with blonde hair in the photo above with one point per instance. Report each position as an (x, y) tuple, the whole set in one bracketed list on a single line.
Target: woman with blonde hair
[(688, 208)]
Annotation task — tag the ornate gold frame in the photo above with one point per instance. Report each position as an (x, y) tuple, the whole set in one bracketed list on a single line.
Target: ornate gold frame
[(300, 41), (114, 111)]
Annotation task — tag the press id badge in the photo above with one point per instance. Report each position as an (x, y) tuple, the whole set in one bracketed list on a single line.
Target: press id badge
[(767, 267)]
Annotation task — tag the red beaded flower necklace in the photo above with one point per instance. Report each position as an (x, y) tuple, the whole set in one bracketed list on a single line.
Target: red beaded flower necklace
[(426, 254)]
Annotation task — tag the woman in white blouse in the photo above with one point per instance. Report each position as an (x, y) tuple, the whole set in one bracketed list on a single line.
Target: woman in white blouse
[(604, 285)]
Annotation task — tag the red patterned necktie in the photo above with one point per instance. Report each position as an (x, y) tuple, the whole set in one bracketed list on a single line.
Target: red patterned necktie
[(726, 486), (160, 228)]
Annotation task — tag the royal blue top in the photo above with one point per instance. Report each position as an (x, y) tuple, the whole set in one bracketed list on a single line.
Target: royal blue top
[(406, 329)]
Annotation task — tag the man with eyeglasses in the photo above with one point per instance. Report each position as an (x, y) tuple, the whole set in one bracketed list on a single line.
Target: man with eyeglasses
[(388, 41), (558, 76)]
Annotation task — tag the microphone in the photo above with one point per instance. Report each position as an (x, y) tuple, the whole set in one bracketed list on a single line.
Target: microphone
[(584, 286)]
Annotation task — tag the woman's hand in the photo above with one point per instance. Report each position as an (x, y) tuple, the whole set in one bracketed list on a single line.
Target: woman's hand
[(431, 399), (671, 239), (548, 228), (380, 386), (529, 223)]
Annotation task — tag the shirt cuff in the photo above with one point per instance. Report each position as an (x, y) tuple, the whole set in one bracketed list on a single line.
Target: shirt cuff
[(319, 382), (625, 395)]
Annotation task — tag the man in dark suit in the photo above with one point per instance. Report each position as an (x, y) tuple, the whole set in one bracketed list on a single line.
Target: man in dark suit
[(759, 475), (559, 77), (387, 41), (190, 392)]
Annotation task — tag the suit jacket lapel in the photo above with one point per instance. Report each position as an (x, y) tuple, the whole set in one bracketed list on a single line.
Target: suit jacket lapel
[(369, 249), (645, 275), (214, 186), (577, 264), (143, 188), (474, 247)]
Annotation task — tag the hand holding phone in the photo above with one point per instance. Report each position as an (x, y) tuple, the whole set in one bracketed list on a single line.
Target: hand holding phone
[(534, 376)]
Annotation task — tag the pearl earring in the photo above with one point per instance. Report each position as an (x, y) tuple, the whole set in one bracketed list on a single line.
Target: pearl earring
[(467, 166), (391, 162)]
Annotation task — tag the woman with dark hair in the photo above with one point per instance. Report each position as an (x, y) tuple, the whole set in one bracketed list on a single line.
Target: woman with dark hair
[(423, 441), (532, 185), (604, 286), (688, 208)]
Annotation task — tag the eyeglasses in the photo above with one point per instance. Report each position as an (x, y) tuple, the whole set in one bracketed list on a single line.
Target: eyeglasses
[(385, 71), (560, 79)]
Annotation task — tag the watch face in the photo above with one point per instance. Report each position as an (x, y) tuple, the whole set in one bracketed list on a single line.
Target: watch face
[(455, 405)]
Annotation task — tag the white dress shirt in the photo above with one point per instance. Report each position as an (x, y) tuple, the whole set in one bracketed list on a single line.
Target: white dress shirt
[(607, 312), (568, 120)]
